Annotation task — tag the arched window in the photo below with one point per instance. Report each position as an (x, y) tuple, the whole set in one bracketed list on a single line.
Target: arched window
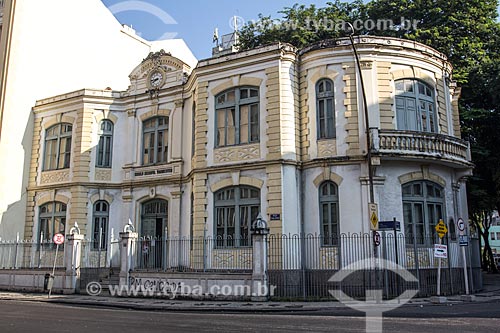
[(423, 207), (329, 213), (155, 140), (57, 147), (105, 147), (52, 220), (415, 106), (235, 210), (100, 227), (237, 116), (325, 105)]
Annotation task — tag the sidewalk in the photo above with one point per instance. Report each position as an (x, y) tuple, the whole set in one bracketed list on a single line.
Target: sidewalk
[(490, 293)]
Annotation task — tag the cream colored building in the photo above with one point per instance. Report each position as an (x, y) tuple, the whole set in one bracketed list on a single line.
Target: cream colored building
[(48, 48), (198, 150)]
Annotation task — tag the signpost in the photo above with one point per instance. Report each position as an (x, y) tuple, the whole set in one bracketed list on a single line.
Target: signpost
[(373, 216), (440, 251), (441, 230), (376, 238), (463, 241), (58, 239), (389, 225)]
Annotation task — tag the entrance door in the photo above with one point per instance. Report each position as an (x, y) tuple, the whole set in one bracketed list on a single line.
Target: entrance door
[(153, 230)]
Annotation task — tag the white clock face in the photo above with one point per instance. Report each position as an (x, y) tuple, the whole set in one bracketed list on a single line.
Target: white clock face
[(156, 79)]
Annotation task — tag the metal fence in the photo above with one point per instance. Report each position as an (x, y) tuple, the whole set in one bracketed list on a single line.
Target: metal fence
[(300, 266), (100, 254), (26, 254), (193, 254)]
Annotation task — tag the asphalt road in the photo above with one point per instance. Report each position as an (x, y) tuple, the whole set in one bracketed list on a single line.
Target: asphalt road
[(16, 316)]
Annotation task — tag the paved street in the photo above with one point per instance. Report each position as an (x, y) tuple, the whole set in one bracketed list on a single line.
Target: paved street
[(27, 316)]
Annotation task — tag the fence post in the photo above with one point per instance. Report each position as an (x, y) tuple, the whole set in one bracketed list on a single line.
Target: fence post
[(260, 289), (127, 249), (72, 255)]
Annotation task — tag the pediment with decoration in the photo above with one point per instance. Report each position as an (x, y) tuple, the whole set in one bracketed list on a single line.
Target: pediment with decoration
[(159, 70)]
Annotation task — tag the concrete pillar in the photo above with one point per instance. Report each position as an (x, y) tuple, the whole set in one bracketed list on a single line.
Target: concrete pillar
[(72, 257), (174, 246), (128, 241), (260, 290)]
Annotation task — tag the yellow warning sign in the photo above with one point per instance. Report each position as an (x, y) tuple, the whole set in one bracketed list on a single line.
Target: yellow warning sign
[(441, 229), (373, 216)]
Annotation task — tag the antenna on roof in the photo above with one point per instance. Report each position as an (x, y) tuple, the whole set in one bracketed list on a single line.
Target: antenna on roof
[(215, 38)]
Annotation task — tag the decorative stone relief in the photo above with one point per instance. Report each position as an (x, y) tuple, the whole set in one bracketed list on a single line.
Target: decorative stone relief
[(102, 174), (57, 176), (235, 154), (327, 148), (328, 257), (232, 258)]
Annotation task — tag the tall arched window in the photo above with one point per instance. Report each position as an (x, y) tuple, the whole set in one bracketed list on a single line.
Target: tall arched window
[(237, 116), (57, 147), (415, 106), (235, 210), (52, 220), (325, 105), (423, 207), (155, 140), (329, 213), (101, 222), (105, 147)]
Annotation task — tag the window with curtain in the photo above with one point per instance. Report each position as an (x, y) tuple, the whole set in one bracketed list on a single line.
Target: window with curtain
[(415, 106), (237, 117), (236, 208), (52, 220), (155, 140), (57, 147)]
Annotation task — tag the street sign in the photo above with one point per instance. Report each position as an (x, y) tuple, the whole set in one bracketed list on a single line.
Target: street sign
[(440, 251), (463, 240), (376, 238), (441, 229), (58, 239), (372, 208), (389, 225), (461, 226)]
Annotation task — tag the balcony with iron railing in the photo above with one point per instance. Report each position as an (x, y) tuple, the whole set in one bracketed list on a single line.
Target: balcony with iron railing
[(398, 144)]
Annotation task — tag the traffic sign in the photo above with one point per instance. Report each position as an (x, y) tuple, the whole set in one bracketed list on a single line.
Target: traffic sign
[(463, 240), (441, 229), (376, 238), (373, 216), (461, 226), (389, 225), (440, 251), (58, 239)]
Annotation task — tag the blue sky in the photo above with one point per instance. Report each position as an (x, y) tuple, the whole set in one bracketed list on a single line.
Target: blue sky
[(194, 20)]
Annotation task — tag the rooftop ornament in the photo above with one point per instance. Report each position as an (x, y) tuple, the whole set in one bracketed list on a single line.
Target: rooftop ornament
[(259, 226)]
